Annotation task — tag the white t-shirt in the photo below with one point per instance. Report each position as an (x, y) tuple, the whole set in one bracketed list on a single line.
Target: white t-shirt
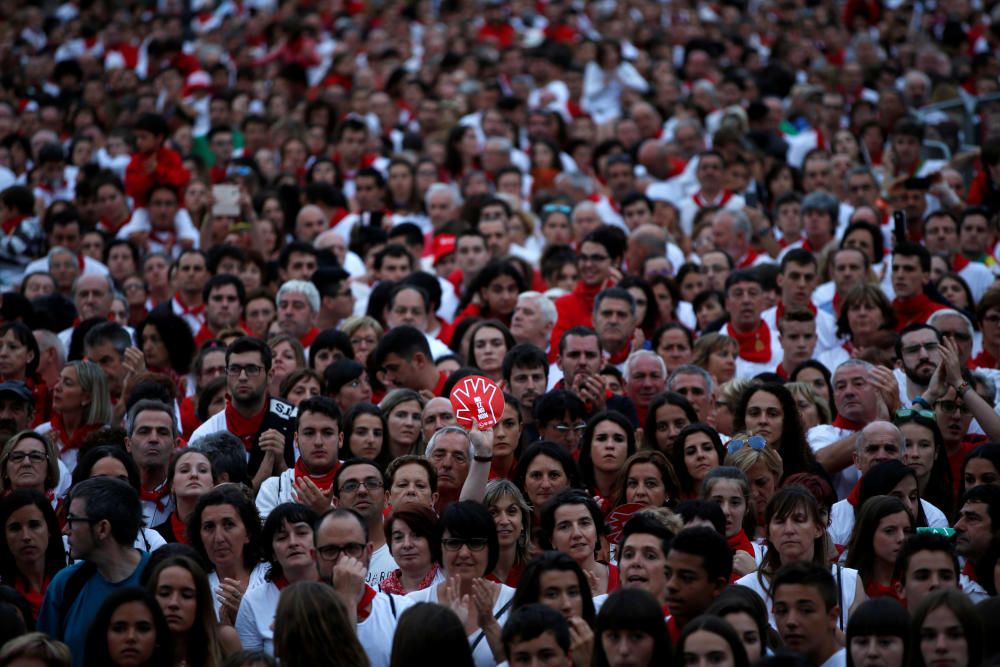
[(375, 632), (481, 653), (842, 519), (848, 588), (381, 566), (255, 619), (258, 577), (275, 491), (823, 435)]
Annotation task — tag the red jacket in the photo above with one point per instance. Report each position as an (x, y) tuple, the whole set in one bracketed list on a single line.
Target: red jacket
[(575, 309), (169, 170)]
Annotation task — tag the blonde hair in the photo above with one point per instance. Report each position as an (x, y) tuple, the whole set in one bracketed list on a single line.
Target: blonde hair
[(747, 457), (806, 391), (709, 343), (36, 645), (730, 392), (352, 324), (94, 384)]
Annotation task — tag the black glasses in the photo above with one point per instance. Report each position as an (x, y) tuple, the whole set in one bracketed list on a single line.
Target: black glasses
[(34, 457), (753, 442), (71, 519), (333, 551), (950, 406), (353, 485), (456, 543), (594, 259), (252, 370)]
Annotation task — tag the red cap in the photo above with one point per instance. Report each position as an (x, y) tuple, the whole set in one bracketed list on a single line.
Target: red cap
[(444, 245)]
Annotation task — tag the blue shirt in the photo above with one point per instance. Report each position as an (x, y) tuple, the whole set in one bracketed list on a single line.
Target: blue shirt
[(84, 609)]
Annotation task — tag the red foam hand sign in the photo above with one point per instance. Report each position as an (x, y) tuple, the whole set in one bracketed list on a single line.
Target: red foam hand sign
[(618, 517), (477, 398)]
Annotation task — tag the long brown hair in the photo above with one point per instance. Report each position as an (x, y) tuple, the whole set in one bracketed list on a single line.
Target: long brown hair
[(783, 504), (311, 620), (203, 645)]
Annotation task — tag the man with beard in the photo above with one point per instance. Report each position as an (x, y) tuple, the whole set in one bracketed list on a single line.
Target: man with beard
[(918, 350), (263, 423)]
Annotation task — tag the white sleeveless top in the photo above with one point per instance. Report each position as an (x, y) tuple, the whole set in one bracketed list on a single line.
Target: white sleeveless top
[(848, 583)]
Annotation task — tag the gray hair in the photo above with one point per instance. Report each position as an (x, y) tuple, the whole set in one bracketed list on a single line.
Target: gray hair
[(150, 405), (450, 190), (951, 311), (860, 171), (59, 250), (691, 369), (644, 354), (48, 340), (822, 202), (432, 443), (862, 438), (106, 276), (576, 180), (303, 287), (854, 362), (739, 220), (584, 206), (544, 303), (498, 144), (227, 454)]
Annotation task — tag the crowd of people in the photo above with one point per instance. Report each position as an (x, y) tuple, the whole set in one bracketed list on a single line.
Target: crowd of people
[(734, 267)]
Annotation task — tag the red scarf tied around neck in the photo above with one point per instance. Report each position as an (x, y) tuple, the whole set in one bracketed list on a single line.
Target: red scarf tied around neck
[(81, 432), (324, 482), (755, 346)]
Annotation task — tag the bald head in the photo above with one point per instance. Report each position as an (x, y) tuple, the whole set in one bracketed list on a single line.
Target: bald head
[(878, 442), (310, 221), (437, 414), (655, 157)]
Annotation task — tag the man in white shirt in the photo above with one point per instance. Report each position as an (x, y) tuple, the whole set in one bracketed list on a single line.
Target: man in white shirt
[(344, 553), (360, 485)]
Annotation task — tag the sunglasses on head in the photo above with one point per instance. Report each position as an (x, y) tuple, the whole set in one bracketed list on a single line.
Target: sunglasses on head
[(903, 413), (753, 442)]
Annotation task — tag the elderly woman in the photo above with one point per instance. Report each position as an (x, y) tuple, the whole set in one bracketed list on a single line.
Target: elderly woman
[(866, 320), (29, 461)]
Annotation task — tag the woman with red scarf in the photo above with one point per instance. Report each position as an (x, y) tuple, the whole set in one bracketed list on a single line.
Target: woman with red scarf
[(883, 525), (19, 357), (189, 477), (168, 347), (729, 487), (80, 405), (33, 549)]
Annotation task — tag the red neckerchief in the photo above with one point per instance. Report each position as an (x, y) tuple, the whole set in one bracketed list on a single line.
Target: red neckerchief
[(970, 571), (748, 260), (723, 199), (836, 303), (959, 262), (984, 360), (513, 576), (81, 432), (324, 481), (393, 584), (876, 590), (77, 320), (672, 629), (780, 312), (614, 578), (11, 224), (281, 582), (178, 528), (309, 337), (186, 309), (244, 428), (780, 370), (34, 598), (740, 542), (855, 495), (618, 357), (439, 387), (820, 139), (155, 496), (365, 606), (843, 422), (755, 346)]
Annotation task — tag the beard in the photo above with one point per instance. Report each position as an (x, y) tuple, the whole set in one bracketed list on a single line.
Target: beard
[(918, 376)]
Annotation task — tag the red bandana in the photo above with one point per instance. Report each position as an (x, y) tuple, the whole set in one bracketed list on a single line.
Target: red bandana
[(180, 530), (855, 495), (876, 590), (723, 199), (155, 496), (324, 481), (843, 422), (11, 223), (740, 542), (34, 598), (394, 582), (281, 582), (780, 312), (186, 309), (246, 429), (984, 360), (81, 432), (309, 337), (755, 346), (364, 607), (969, 570)]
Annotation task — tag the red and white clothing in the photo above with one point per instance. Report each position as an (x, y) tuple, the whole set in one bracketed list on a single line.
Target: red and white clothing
[(375, 631), (381, 565), (760, 351), (689, 207), (848, 580), (258, 577), (193, 315), (842, 519), (826, 326), (157, 504), (823, 435), (281, 489), (481, 655), (68, 447)]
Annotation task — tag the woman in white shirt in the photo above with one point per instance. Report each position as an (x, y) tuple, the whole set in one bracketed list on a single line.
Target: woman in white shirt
[(796, 532), (470, 550)]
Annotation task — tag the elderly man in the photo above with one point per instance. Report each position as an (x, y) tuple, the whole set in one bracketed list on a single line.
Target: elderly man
[(310, 222), (298, 308), (731, 231), (92, 296), (450, 452), (443, 203), (696, 385), (646, 376), (437, 414), (533, 319), (861, 393)]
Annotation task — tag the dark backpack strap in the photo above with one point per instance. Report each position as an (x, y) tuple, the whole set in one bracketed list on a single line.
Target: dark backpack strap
[(500, 612), (392, 603), (840, 597), (74, 585)]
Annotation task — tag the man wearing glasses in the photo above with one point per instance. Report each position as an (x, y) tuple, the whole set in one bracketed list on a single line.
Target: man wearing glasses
[(263, 423), (918, 350), (360, 485), (344, 553), (600, 252), (310, 482), (101, 526)]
